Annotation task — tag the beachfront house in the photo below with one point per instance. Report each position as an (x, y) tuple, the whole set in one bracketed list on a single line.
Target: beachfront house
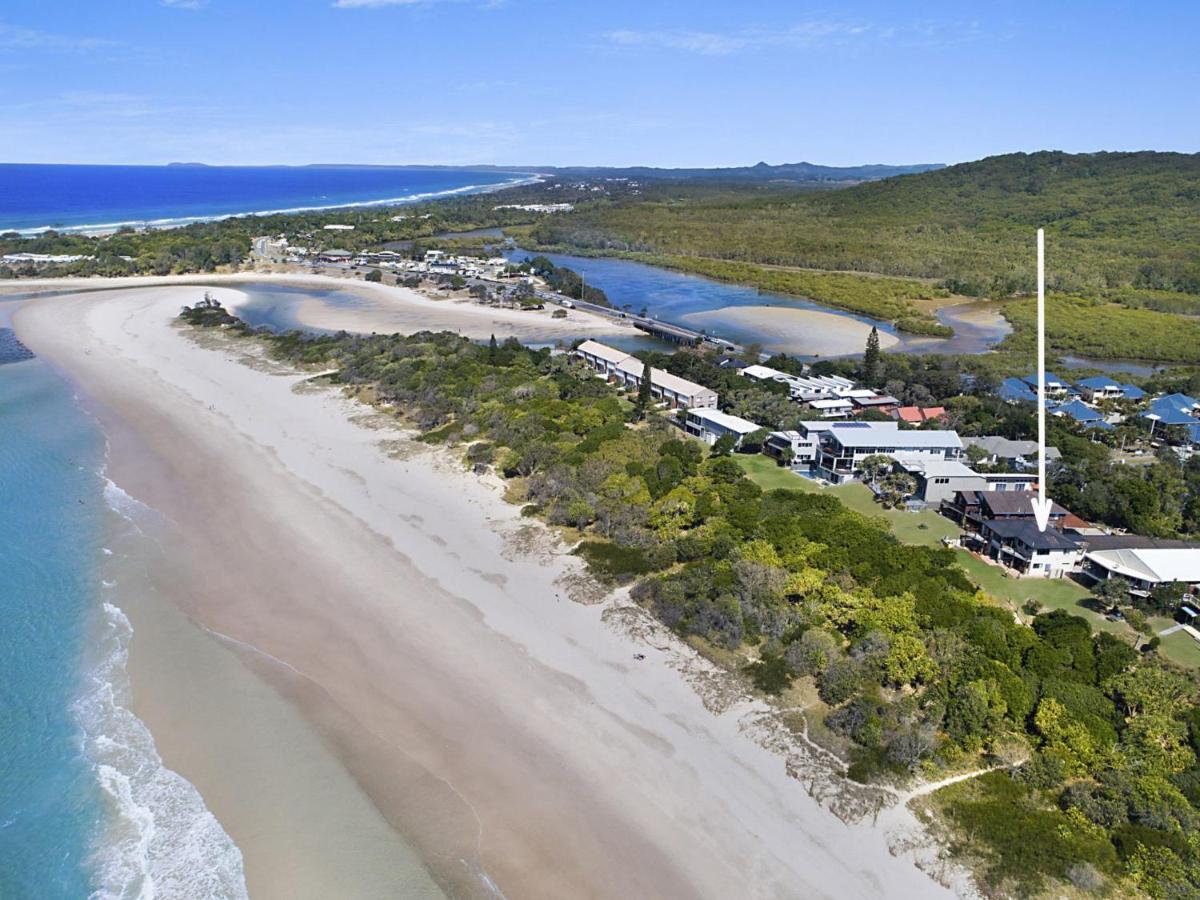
[(845, 445), (601, 358), (627, 370), (972, 509), (1020, 545), (798, 447), (710, 425), (665, 387), (940, 479)]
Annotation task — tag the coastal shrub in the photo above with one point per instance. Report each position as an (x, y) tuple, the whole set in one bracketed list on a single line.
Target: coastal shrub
[(771, 674), (1024, 841), (613, 563), (918, 670)]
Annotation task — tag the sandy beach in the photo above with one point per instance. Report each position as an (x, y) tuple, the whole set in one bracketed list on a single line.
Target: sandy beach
[(385, 309), (419, 640), (793, 330)]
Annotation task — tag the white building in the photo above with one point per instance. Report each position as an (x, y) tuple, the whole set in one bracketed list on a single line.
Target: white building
[(601, 357), (940, 479), (710, 425), (666, 387), (833, 408), (1021, 545), (627, 370), (799, 447), (1145, 568), (845, 445)]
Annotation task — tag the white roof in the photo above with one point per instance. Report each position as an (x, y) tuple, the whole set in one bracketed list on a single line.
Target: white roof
[(938, 468), (725, 420), (766, 372), (662, 379), (602, 351), (831, 404), (865, 434), (1182, 564)]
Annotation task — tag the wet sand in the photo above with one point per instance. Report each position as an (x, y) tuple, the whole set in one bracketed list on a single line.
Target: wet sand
[(421, 629), (802, 332)]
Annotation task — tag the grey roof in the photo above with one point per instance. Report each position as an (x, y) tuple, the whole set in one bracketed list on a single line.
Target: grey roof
[(1015, 503), (1004, 448), (848, 435), (1136, 542), (1026, 531)]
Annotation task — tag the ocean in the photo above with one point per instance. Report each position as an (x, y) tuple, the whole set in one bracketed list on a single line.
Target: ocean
[(86, 807), (84, 198)]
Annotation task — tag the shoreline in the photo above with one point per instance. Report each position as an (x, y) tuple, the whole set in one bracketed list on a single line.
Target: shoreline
[(390, 308), (437, 638), (103, 229)]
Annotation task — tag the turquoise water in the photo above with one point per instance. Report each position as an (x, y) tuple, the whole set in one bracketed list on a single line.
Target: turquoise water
[(87, 808), (51, 509)]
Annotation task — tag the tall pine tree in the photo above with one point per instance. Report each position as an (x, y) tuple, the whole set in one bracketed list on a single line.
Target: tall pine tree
[(644, 397), (871, 362)]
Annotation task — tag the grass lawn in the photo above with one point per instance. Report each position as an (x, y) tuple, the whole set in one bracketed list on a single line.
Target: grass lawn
[(927, 527), (924, 527)]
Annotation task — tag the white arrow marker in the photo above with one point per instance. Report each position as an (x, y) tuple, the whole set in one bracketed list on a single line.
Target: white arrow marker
[(1041, 505)]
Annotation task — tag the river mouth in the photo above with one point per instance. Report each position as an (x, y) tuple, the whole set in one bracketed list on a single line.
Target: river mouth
[(746, 315)]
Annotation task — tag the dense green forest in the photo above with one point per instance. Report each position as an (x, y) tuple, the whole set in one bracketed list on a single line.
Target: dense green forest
[(1101, 329), (1112, 220), (916, 670)]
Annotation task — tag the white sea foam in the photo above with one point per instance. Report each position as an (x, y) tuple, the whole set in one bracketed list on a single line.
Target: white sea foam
[(159, 840), (121, 503), (179, 221)]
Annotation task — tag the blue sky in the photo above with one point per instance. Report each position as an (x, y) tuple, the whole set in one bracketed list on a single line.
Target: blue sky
[(611, 83)]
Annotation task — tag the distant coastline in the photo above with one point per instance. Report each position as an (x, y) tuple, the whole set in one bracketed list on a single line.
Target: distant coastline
[(28, 189)]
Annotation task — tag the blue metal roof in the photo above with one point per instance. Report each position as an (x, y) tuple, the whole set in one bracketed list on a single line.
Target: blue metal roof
[(1098, 383), (1016, 391), (1133, 392), (1079, 411), (1173, 409)]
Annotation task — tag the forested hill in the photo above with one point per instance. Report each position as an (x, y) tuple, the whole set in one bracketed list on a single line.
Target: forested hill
[(797, 172), (1113, 220)]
